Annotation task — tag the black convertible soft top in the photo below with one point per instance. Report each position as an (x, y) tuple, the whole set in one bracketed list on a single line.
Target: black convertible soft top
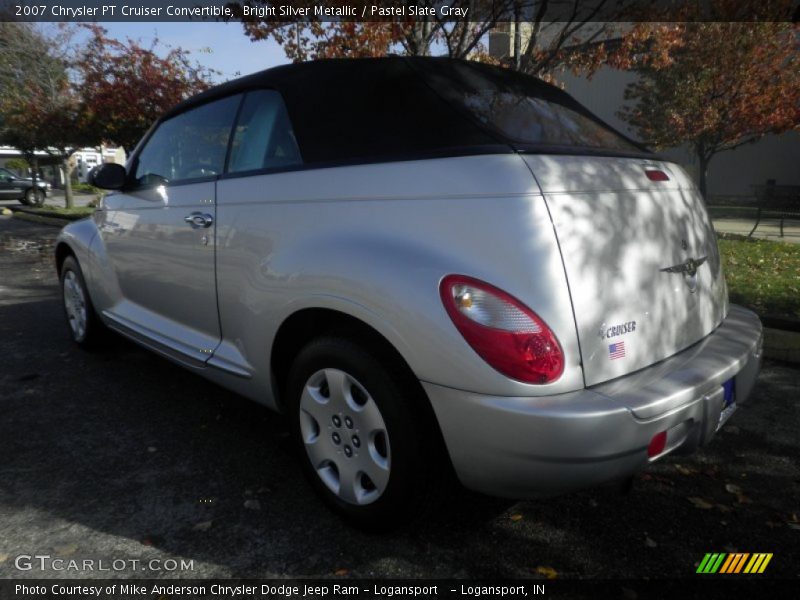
[(384, 108)]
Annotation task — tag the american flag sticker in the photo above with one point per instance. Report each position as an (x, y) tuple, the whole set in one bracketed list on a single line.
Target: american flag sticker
[(616, 350)]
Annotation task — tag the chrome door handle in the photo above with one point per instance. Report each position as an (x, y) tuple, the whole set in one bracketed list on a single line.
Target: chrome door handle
[(199, 220)]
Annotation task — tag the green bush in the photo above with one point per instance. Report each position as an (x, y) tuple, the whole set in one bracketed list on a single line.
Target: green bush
[(85, 188), (18, 164)]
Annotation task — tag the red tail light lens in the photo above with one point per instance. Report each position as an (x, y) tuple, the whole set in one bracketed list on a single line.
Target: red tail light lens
[(656, 175), (504, 332)]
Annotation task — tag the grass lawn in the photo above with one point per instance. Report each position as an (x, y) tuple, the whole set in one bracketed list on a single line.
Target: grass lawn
[(75, 213), (763, 275)]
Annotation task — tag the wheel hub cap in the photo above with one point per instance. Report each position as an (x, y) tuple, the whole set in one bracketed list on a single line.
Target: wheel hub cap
[(75, 305), (345, 436)]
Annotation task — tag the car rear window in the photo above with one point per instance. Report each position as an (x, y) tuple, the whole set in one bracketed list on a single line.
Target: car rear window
[(521, 109), (381, 110)]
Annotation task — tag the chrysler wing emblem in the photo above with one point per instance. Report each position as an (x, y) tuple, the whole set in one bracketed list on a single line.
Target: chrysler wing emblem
[(689, 267), (689, 270)]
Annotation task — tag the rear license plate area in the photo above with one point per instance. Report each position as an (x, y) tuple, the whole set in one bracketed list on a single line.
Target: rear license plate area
[(728, 401)]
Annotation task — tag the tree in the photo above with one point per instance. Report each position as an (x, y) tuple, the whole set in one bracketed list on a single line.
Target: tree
[(34, 84), (18, 164), (59, 95), (557, 32), (125, 86), (714, 85)]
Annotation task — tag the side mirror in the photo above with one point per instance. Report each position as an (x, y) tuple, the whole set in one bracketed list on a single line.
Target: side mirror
[(108, 176)]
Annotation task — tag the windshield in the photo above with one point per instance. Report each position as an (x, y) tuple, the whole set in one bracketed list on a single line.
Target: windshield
[(522, 109)]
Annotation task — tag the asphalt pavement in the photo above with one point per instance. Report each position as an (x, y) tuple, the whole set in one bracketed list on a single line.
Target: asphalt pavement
[(120, 455)]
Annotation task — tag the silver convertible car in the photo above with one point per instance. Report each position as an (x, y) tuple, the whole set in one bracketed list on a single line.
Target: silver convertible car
[(431, 267)]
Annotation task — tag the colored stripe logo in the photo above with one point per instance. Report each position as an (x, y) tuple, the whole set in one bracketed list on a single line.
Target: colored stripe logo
[(616, 350), (735, 562)]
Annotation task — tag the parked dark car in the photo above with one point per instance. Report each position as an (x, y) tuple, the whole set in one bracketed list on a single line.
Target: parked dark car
[(13, 187)]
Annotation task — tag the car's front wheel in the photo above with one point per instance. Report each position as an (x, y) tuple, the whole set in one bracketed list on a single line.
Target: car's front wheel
[(33, 197), (84, 325), (366, 438)]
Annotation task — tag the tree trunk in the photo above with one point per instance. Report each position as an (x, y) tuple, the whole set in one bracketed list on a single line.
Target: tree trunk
[(33, 161), (517, 37), (67, 171), (703, 161)]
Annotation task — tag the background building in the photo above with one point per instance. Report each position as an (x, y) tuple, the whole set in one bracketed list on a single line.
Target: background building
[(731, 173)]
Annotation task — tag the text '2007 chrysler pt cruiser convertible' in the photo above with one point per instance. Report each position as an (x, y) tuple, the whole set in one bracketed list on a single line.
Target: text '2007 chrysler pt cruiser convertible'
[(430, 266)]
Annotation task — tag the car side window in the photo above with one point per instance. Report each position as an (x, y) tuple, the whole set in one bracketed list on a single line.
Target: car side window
[(191, 145), (264, 138)]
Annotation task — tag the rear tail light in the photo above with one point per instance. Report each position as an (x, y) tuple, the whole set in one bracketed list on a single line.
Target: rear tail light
[(656, 175), (504, 332)]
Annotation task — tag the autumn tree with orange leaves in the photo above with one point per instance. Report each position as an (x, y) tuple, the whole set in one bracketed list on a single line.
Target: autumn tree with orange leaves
[(126, 86), (558, 33), (38, 107), (714, 86), (59, 93)]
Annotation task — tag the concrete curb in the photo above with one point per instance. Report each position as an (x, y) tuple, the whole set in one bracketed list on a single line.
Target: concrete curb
[(780, 344)]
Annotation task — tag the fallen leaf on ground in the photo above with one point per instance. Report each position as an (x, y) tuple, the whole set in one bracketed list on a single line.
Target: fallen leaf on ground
[(723, 508), (548, 572), (341, 572), (629, 594), (700, 503), (733, 489), (649, 543), (252, 504), (684, 470), (202, 526), (66, 550), (516, 517)]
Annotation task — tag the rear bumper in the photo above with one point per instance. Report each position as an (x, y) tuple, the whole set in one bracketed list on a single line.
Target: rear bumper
[(535, 446)]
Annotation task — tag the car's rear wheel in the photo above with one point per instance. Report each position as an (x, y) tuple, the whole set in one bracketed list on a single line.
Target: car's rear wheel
[(84, 326), (366, 439), (34, 197)]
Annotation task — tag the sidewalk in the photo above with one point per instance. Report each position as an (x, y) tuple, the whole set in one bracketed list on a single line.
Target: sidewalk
[(768, 229), (56, 197)]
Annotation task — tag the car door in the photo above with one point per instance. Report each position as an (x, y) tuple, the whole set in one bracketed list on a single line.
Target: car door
[(159, 233), (7, 188)]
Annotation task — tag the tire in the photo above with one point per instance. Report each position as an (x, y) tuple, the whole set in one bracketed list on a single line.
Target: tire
[(365, 433), (34, 197), (83, 324)]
